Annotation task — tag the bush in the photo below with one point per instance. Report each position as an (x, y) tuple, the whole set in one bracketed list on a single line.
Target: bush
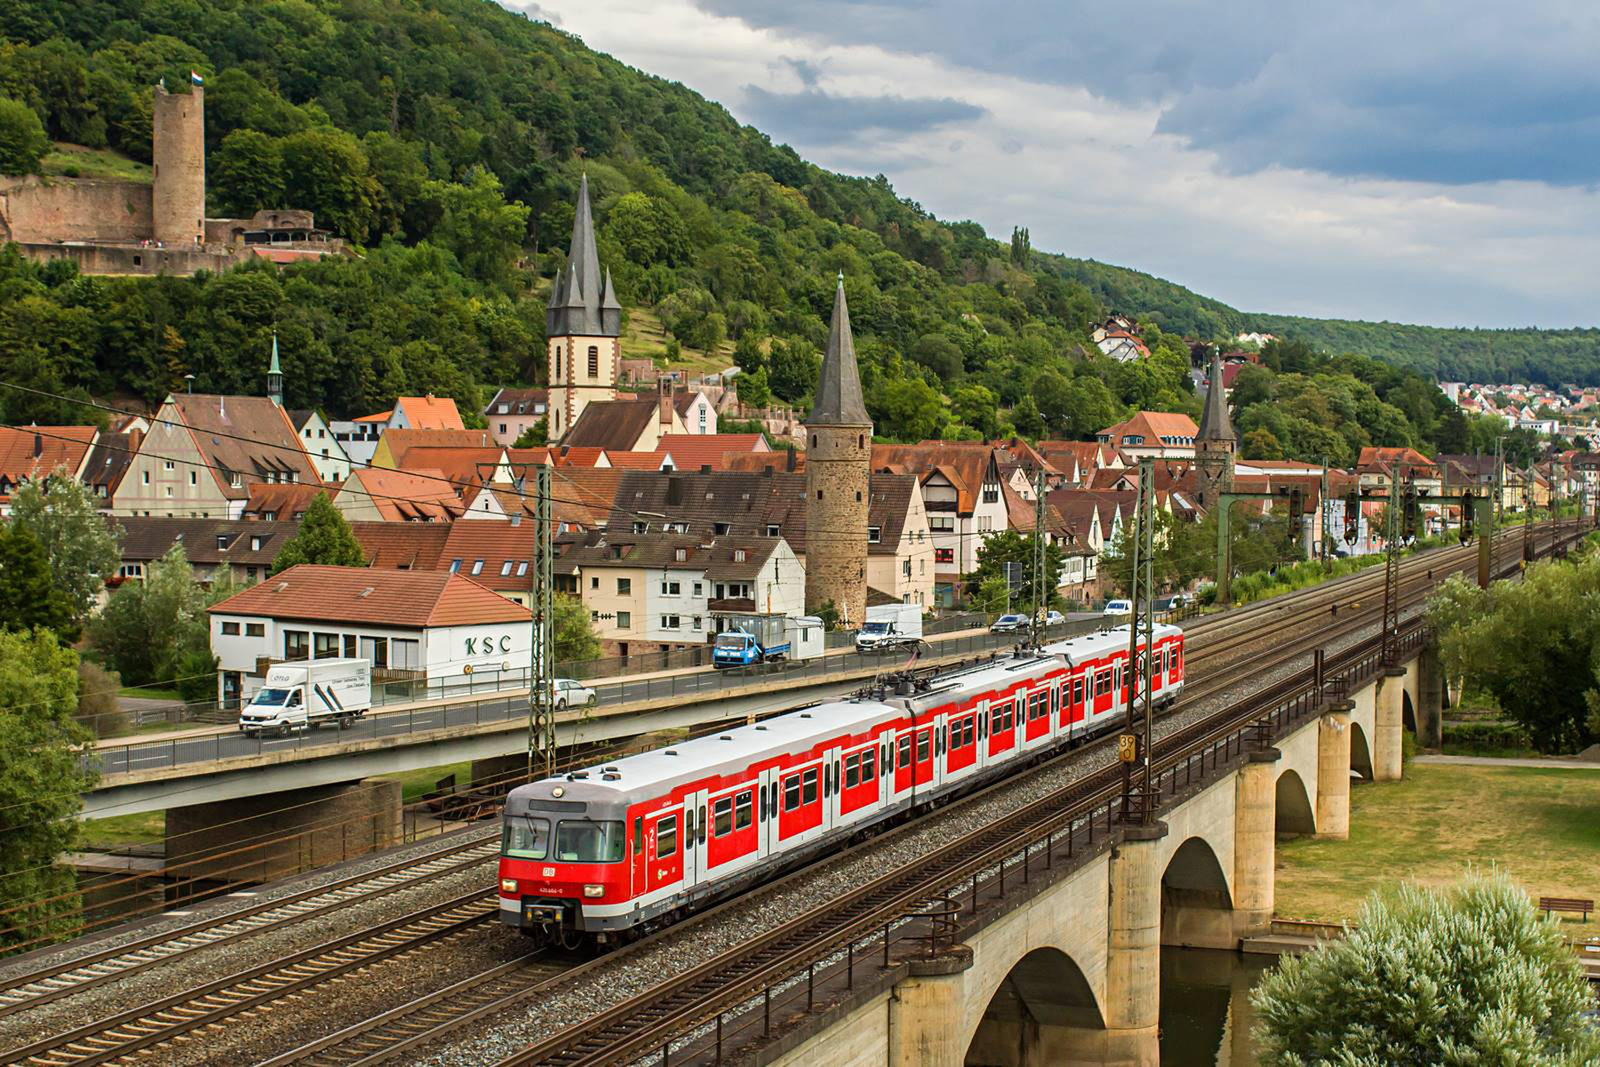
[(197, 675), (22, 139), (1493, 735), (98, 706)]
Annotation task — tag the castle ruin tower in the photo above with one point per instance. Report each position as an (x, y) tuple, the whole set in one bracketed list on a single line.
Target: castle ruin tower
[(1215, 444), (582, 321), (178, 151), (838, 462)]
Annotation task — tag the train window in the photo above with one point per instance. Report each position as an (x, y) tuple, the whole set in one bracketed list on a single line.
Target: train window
[(791, 792), (1116, 678), (1077, 690), (667, 837), (922, 747), (827, 779), (701, 829), (526, 838), (588, 841), (888, 758), (763, 792), (1038, 706), (905, 750), (852, 771), (1102, 683), (965, 726), (868, 771), (743, 811), (808, 782), (722, 817), (638, 834)]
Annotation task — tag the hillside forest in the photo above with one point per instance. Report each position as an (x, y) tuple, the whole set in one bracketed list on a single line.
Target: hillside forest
[(444, 139)]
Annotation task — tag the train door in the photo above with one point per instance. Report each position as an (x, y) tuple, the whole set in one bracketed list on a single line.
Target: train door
[(694, 851), (923, 754), (904, 763), (767, 813), (663, 848), (733, 834), (1002, 726)]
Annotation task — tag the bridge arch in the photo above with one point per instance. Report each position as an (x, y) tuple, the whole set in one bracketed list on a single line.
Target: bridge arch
[(1360, 751), (1408, 711), (1042, 1010), (1293, 804)]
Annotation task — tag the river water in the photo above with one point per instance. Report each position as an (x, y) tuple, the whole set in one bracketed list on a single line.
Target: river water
[(1205, 1007)]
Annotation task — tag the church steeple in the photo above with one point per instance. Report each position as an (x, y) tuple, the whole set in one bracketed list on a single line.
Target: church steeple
[(275, 375), (578, 297), (838, 401), (1215, 424), (1215, 442)]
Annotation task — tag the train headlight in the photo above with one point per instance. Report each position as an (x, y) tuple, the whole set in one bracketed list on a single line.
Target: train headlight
[(594, 890), (508, 887)]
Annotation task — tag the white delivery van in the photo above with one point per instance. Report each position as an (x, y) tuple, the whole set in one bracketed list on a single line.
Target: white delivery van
[(299, 695), (889, 626)]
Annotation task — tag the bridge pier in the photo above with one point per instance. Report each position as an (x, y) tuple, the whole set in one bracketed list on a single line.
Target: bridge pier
[(1387, 746), (1255, 841), (1430, 703), (1133, 957), (926, 1012), (1333, 772), (274, 835)]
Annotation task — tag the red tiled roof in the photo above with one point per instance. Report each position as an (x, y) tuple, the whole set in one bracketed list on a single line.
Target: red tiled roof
[(403, 546), (965, 463), (1152, 426), (282, 500), (28, 452), (374, 596), (692, 451), (406, 496), (637, 461), (464, 465), (245, 435), (402, 441), (430, 412)]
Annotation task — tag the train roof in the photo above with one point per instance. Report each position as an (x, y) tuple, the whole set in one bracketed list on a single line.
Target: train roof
[(655, 773), (1101, 642)]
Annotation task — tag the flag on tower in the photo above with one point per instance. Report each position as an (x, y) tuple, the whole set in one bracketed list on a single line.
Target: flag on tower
[(195, 79)]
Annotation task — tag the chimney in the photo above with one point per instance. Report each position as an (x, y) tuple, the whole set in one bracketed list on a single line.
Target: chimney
[(791, 461), (38, 446), (222, 407)]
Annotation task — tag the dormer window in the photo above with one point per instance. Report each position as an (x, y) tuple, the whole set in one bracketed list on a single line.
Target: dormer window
[(874, 535), (680, 554)]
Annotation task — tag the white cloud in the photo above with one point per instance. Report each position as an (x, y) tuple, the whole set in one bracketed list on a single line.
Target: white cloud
[(1096, 178)]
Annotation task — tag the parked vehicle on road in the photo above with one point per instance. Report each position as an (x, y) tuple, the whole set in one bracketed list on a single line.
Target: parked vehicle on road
[(1054, 618), (1009, 624), (571, 694), (890, 626), (1118, 607), (763, 638), (297, 696)]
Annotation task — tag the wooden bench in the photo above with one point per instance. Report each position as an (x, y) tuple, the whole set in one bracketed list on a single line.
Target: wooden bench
[(1549, 904)]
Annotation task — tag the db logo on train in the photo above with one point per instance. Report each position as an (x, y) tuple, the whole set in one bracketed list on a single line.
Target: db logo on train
[(1128, 748)]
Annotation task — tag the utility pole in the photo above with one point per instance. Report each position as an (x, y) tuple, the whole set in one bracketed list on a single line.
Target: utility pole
[(541, 680), (1322, 514), (1527, 517), (1134, 744), (1391, 569), (1147, 486), (1040, 585)]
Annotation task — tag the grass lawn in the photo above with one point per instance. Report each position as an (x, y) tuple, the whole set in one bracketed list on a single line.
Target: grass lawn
[(76, 161), (101, 834), (1542, 827), (415, 784), (645, 338)]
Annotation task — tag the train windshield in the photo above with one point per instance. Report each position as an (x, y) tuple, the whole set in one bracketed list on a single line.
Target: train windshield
[(587, 841), (734, 641), (526, 838)]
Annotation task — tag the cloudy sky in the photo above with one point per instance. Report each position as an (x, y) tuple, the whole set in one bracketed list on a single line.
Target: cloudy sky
[(1427, 162)]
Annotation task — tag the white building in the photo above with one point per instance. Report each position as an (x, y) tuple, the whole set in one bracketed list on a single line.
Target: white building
[(317, 438), (413, 626)]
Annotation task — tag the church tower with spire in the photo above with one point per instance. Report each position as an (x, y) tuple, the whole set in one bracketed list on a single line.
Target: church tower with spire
[(275, 374), (582, 322), (1215, 443), (838, 462)]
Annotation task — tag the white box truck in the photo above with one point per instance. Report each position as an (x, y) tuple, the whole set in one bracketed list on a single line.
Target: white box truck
[(296, 696), (890, 626)]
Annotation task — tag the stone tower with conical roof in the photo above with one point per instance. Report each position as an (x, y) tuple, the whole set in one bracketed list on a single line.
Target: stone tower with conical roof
[(838, 462), (1216, 443), (582, 322)]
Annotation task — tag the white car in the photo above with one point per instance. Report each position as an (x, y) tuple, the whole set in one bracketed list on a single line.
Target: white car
[(1118, 607), (1055, 618), (571, 694)]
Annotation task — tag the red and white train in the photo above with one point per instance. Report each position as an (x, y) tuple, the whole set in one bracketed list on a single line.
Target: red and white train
[(608, 850)]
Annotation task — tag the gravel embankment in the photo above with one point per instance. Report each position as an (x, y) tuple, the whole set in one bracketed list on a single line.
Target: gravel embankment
[(690, 946)]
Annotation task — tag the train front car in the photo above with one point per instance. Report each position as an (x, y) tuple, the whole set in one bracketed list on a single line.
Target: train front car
[(564, 875)]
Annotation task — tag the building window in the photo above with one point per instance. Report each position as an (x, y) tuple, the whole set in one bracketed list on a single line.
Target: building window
[(624, 586), (296, 644), (671, 588), (255, 542), (680, 554), (697, 624), (349, 646), (640, 527), (477, 566), (255, 629), (522, 567), (594, 362), (325, 646), (194, 477), (991, 494), (698, 588), (874, 535), (670, 622), (376, 650), (250, 572), (505, 568), (774, 531), (738, 555), (146, 477), (405, 654), (721, 528), (594, 581), (624, 620), (905, 567), (502, 429), (230, 629), (233, 479), (166, 465), (455, 566)]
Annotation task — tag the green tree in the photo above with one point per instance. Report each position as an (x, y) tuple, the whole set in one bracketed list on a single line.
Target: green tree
[(157, 629), (648, 229), (1261, 444), (907, 409), (29, 596), (1534, 645), (793, 366), (978, 407), (483, 231), (246, 173), (326, 170), (1472, 975), (81, 546), (324, 537), (537, 435), (1011, 547), (22, 138), (575, 636), (42, 777)]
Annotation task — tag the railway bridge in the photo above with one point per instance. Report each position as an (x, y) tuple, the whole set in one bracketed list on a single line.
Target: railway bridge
[(1063, 965)]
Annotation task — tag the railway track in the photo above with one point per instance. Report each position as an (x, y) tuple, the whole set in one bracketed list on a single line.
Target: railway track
[(699, 999), (125, 1033), (121, 961), (438, 1015)]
